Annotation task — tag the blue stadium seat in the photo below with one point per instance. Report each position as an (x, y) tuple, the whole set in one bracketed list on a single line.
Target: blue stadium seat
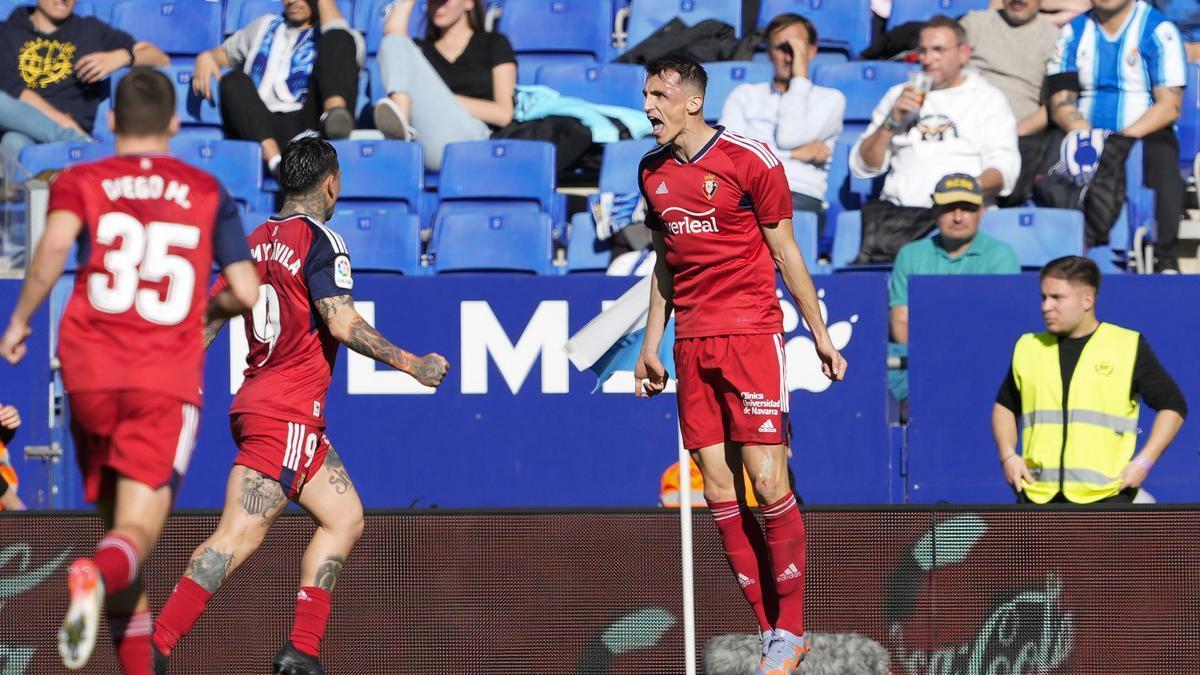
[(1188, 125), (1037, 235), (240, 13), (863, 82), (41, 156), (389, 173), (178, 28), (804, 229), (252, 219), (193, 110), (724, 76), (647, 16), (844, 192), (613, 83), (238, 165), (492, 238), (499, 170), (905, 11), (549, 31), (618, 168), (842, 25), (380, 239), (586, 253), (847, 239), (369, 15)]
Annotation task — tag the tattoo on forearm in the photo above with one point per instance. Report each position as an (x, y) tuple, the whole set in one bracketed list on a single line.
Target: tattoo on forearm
[(209, 569), (365, 340), (338, 478), (327, 573), (262, 496), (211, 330)]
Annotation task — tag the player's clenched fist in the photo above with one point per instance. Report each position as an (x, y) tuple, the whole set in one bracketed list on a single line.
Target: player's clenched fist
[(430, 369), (12, 345), (650, 376)]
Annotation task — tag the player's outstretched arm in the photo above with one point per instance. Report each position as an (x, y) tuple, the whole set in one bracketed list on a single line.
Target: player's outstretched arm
[(239, 294), (790, 261), (352, 330), (62, 229), (649, 375)]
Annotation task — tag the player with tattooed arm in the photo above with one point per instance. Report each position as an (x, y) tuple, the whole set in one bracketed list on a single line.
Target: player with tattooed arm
[(304, 310)]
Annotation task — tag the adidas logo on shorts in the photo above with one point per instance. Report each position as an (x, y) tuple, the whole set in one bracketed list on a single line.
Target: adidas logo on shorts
[(790, 573), (744, 580), (767, 428), (662, 188)]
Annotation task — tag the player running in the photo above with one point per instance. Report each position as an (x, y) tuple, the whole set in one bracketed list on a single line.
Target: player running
[(305, 309), (720, 214), (149, 227)]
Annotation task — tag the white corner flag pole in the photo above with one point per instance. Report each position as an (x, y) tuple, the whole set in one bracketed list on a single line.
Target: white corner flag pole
[(685, 539)]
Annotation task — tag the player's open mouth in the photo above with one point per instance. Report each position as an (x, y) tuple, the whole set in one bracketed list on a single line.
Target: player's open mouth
[(656, 125)]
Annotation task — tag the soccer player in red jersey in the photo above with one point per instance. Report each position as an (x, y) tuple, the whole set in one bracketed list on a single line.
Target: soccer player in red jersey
[(720, 215), (305, 309), (149, 227)]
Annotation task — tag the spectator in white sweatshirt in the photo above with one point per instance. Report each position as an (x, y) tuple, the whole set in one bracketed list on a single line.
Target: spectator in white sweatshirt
[(798, 120), (962, 125)]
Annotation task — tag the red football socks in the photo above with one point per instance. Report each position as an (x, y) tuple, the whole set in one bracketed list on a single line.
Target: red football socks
[(785, 536), (747, 553), (185, 605), (131, 642), (118, 559), (312, 614)]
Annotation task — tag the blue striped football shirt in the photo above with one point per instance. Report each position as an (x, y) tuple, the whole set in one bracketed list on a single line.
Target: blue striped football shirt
[(1118, 74)]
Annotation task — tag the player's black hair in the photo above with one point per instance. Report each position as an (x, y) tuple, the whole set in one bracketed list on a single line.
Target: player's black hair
[(1074, 269), (784, 20), (943, 21), (144, 102), (305, 163), (689, 70)]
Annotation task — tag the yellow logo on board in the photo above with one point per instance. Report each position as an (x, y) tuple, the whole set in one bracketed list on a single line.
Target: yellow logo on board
[(45, 62)]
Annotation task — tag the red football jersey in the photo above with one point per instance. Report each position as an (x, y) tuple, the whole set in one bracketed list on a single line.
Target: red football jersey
[(709, 210), (290, 362), (152, 227)]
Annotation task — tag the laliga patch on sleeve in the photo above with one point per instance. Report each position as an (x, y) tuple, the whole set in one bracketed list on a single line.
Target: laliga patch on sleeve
[(341, 272)]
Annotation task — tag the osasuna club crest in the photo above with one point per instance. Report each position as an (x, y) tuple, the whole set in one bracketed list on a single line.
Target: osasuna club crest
[(709, 185)]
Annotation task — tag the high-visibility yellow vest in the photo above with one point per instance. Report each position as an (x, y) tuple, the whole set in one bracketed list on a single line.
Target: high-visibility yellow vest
[(1101, 415)]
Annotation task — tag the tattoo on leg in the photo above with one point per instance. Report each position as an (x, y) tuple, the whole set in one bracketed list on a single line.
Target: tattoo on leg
[(209, 569), (261, 496), (327, 573), (338, 478)]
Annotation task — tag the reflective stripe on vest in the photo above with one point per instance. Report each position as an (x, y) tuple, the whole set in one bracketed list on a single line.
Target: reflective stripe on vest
[(1100, 415)]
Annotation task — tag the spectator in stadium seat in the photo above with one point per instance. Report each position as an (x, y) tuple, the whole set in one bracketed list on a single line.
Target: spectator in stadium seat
[(1060, 12), (1087, 375), (962, 125), (1011, 47), (958, 248), (10, 419), (1140, 98), (799, 121), (1186, 15), (56, 69), (456, 84), (293, 73)]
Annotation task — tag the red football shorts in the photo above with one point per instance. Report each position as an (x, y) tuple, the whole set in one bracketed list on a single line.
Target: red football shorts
[(732, 388), (146, 436), (289, 452)]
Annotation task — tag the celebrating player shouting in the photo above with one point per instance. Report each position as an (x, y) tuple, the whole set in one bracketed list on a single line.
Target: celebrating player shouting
[(720, 213), (130, 344), (305, 309)]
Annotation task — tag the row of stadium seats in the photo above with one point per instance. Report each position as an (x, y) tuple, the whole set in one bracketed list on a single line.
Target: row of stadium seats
[(592, 30)]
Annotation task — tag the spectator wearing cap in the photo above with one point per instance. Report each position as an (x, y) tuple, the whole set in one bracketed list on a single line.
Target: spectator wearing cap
[(798, 120), (1075, 389), (957, 248), (1122, 67), (962, 125), (292, 73)]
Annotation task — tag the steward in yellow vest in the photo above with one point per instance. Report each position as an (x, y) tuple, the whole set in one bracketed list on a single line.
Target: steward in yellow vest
[(1075, 390)]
